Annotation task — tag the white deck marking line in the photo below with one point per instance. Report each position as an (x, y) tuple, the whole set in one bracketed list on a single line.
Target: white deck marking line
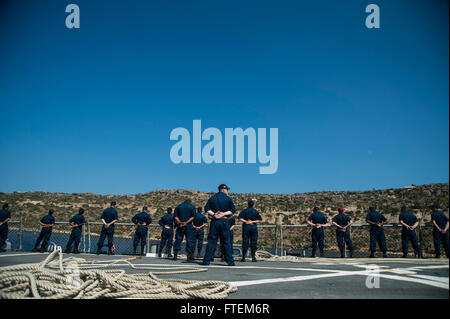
[(339, 274), (288, 279), (26, 254), (434, 278), (367, 265), (427, 267), (219, 266), (258, 267)]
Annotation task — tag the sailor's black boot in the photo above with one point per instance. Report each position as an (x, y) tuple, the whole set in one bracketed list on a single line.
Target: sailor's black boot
[(244, 253), (253, 252)]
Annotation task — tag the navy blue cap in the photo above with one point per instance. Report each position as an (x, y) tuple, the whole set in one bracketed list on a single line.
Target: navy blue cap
[(222, 186)]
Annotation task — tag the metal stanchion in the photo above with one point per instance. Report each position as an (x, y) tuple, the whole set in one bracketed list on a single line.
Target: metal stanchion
[(21, 235)]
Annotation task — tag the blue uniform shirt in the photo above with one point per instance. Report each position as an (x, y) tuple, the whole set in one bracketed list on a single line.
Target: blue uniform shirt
[(109, 215), (199, 219), (375, 217), (249, 214), (141, 218), (184, 211), (341, 219), (167, 219), (220, 202), (440, 218), (4, 214), (48, 219), (408, 218), (317, 218), (78, 219)]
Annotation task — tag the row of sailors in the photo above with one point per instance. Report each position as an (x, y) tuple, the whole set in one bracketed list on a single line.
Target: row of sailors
[(189, 222)]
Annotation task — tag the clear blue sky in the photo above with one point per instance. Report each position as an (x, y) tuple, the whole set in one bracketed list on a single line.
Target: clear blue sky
[(91, 109)]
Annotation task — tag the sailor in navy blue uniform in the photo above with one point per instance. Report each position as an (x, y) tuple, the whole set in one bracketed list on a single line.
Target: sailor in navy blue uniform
[(219, 206), (440, 230), (184, 215), (109, 217), (142, 220), (343, 223), (376, 221), (232, 223), (47, 222), (77, 222), (409, 222), (199, 222), (166, 222), (5, 216), (249, 217), (318, 221)]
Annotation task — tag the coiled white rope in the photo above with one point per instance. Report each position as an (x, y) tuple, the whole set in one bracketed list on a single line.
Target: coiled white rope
[(58, 278), (263, 255)]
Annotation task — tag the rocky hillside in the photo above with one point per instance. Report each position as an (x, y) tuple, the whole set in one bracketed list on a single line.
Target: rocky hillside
[(291, 208)]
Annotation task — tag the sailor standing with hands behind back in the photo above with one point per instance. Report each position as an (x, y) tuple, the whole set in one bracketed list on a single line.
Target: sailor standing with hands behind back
[(142, 220), (109, 217), (5, 216), (77, 222), (318, 221), (250, 217), (47, 222), (219, 206)]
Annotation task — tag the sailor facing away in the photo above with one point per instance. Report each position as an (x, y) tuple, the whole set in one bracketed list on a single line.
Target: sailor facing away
[(5, 216), (166, 222), (142, 220), (343, 223), (318, 221), (440, 230), (409, 222), (47, 222), (184, 215), (250, 217), (109, 217), (219, 206), (376, 221), (199, 222), (232, 224), (77, 222)]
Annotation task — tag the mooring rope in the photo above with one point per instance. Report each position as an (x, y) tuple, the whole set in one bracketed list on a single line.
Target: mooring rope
[(57, 278), (264, 255)]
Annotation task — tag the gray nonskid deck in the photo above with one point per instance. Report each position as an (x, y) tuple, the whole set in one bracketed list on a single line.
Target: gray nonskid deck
[(322, 278)]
